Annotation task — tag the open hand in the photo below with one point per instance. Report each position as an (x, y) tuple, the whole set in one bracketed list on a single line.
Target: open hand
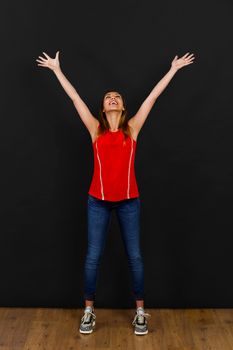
[(183, 61), (51, 63)]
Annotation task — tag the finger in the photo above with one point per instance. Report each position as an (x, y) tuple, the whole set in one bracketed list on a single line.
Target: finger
[(190, 59), (188, 63), (46, 54), (39, 61), (44, 59), (41, 65), (185, 55)]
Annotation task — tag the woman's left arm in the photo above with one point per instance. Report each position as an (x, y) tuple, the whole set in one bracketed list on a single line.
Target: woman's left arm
[(139, 118)]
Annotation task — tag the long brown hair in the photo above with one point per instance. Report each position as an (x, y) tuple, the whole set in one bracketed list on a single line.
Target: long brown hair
[(104, 124)]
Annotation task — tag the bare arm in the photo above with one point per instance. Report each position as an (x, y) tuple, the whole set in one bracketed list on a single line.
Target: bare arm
[(139, 118), (86, 116), (88, 119)]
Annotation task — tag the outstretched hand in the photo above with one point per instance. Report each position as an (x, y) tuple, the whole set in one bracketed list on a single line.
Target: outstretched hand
[(51, 63), (183, 61)]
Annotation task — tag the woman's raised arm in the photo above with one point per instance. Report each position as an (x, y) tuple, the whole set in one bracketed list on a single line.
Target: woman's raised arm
[(139, 118), (86, 116)]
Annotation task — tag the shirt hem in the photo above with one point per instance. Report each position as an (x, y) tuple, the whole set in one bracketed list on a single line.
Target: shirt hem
[(114, 200)]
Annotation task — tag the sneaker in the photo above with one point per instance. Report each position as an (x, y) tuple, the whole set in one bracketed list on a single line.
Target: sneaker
[(140, 322), (87, 321)]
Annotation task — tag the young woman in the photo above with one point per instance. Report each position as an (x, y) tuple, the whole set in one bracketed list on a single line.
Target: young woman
[(113, 184)]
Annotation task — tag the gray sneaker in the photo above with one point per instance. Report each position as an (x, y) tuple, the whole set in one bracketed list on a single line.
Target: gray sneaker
[(140, 323), (87, 322)]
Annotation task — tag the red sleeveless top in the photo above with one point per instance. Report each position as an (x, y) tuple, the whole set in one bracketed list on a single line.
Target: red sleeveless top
[(114, 175)]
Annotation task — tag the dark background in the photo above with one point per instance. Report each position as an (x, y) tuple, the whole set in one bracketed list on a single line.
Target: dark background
[(184, 150)]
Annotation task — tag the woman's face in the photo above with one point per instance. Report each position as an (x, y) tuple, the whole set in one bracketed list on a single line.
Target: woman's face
[(113, 102)]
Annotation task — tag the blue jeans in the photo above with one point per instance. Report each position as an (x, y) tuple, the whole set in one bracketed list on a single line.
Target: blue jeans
[(98, 222)]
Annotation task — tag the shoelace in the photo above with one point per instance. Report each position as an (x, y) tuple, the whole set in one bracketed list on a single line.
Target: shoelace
[(139, 317), (86, 316)]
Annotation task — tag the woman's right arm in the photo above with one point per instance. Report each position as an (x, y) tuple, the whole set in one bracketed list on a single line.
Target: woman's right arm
[(86, 116)]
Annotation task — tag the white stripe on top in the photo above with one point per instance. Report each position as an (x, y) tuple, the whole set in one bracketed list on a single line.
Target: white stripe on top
[(129, 167), (101, 182)]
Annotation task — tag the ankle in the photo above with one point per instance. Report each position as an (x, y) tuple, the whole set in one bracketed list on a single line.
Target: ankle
[(140, 309), (89, 308)]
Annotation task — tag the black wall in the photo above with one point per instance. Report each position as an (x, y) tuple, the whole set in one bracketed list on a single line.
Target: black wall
[(184, 151)]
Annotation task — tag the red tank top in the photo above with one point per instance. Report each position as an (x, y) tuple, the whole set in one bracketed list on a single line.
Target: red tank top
[(114, 175)]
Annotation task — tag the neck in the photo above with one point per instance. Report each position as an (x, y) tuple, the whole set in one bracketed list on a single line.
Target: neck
[(113, 118)]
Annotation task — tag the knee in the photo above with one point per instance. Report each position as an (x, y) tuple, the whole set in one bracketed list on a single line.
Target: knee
[(93, 257), (135, 259)]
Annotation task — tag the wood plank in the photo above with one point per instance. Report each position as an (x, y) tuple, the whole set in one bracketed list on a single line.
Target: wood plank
[(169, 329)]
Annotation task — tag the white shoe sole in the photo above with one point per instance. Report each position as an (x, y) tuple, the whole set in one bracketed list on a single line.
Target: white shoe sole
[(141, 333)]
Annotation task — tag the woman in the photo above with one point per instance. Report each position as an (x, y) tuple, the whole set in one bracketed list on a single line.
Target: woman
[(113, 184)]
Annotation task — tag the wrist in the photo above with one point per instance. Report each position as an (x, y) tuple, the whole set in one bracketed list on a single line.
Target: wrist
[(173, 69), (57, 70)]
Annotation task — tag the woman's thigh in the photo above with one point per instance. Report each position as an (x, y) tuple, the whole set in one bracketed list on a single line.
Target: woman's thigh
[(98, 221), (128, 214)]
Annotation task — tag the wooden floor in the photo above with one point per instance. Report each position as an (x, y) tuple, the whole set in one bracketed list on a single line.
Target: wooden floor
[(169, 329)]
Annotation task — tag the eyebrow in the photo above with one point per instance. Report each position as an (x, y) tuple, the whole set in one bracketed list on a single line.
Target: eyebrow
[(114, 94)]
